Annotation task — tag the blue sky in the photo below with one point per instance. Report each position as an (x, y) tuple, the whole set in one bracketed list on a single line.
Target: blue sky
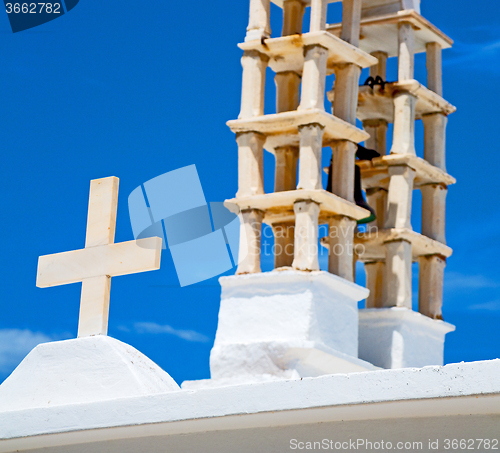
[(133, 90)]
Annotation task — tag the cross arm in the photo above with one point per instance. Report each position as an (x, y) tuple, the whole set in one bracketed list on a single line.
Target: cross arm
[(106, 260)]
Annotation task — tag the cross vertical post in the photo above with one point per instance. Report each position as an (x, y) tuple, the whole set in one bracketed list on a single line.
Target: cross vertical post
[(101, 222), (100, 260)]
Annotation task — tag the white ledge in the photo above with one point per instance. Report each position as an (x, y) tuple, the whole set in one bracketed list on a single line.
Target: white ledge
[(282, 129), (381, 32), (456, 389), (286, 53), (278, 205)]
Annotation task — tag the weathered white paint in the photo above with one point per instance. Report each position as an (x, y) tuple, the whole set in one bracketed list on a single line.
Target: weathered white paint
[(284, 239), (351, 16), (305, 255), (406, 53), (435, 68), (430, 285), (293, 15), (374, 243), (375, 104), (374, 8), (397, 290), (282, 129), (254, 66), (250, 164), (403, 141), (286, 53), (259, 20), (286, 325), (399, 197), (380, 398), (287, 91), (375, 271), (310, 151), (377, 199), (435, 139), (273, 323), (433, 211), (379, 69), (81, 371), (250, 239), (312, 95), (318, 15), (285, 176), (380, 33), (282, 201), (375, 173), (400, 338), (345, 104), (341, 247)]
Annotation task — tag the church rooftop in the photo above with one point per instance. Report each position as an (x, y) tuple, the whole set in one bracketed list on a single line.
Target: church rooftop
[(402, 395)]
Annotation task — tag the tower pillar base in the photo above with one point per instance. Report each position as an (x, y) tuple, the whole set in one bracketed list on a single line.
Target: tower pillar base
[(400, 338)]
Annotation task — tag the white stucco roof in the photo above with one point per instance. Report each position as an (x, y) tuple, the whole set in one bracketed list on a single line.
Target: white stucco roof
[(456, 389), (81, 371)]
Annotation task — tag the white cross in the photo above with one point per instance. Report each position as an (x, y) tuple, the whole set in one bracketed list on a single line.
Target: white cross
[(100, 260)]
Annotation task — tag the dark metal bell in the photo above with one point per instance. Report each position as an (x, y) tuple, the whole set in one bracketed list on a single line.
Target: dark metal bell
[(362, 154), (366, 154), (359, 198), (370, 81)]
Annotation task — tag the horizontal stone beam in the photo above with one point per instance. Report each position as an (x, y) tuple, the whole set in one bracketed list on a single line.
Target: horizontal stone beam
[(107, 260)]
